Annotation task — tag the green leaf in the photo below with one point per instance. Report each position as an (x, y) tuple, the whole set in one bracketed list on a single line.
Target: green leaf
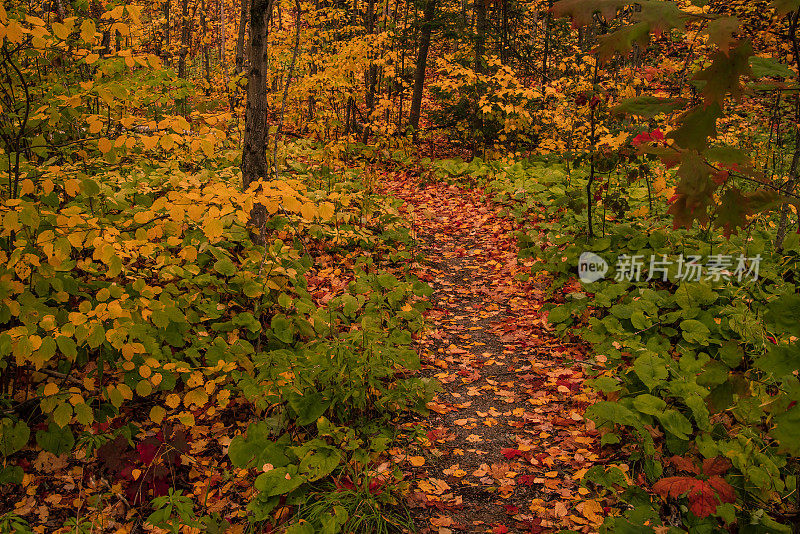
[(694, 331), (582, 12), (651, 369), (55, 439), (721, 32), (675, 423), (622, 40), (697, 125), (279, 481), (309, 406), (320, 463), (13, 436), (225, 267), (649, 404), (387, 281), (767, 66), (11, 474), (783, 7), (62, 414), (559, 314), (648, 107), (781, 360), (723, 76), (783, 314), (257, 447), (787, 430), (67, 347)]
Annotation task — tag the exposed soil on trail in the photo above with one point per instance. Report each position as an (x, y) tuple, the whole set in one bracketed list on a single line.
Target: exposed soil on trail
[(507, 443)]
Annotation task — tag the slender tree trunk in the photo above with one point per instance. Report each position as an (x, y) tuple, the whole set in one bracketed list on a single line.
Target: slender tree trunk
[(167, 51), (480, 33), (422, 64), (223, 45), (206, 51), (184, 39), (370, 76), (547, 37), (401, 85), (254, 156), (240, 41)]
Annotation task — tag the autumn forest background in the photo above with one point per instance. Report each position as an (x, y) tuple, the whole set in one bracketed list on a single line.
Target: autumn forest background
[(313, 266)]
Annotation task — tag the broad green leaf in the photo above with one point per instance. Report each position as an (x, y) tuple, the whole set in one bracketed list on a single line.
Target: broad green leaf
[(13, 436), (279, 481), (55, 439), (649, 106), (767, 66), (651, 369)]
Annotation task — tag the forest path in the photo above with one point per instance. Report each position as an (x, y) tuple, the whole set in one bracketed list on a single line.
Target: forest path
[(506, 439)]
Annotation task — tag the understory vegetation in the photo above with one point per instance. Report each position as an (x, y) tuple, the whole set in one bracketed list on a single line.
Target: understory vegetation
[(211, 318)]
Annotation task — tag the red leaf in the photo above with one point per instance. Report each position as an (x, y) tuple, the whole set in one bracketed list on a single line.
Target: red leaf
[(703, 503), (716, 466), (526, 480), (724, 490), (677, 486), (510, 453), (499, 529), (701, 494), (684, 464)]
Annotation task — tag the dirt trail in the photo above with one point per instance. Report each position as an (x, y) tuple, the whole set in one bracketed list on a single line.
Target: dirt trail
[(506, 437)]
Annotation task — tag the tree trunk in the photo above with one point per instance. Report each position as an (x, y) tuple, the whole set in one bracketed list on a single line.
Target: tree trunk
[(223, 47), (167, 52), (240, 41), (254, 157), (184, 39), (547, 37), (422, 63), (206, 51), (371, 74), (480, 33)]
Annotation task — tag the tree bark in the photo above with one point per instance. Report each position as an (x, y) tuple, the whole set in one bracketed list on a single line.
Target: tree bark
[(223, 47), (254, 157), (422, 64), (371, 74), (240, 41), (480, 33), (184, 39), (206, 51)]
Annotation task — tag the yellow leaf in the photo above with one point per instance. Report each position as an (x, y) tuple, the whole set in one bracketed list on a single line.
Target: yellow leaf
[(104, 145), (87, 34), (50, 389), (173, 400), (60, 31), (417, 461), (149, 142), (14, 32), (196, 396), (327, 210), (157, 414), (167, 142), (27, 186), (91, 58)]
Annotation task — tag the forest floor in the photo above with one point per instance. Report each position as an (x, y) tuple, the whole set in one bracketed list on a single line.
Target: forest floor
[(507, 443)]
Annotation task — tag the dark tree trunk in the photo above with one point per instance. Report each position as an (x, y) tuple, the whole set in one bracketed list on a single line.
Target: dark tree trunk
[(254, 156), (240, 41), (206, 52), (167, 53), (184, 39), (480, 33), (370, 76), (422, 64)]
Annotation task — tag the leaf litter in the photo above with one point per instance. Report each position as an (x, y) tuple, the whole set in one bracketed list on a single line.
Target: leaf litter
[(505, 446)]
